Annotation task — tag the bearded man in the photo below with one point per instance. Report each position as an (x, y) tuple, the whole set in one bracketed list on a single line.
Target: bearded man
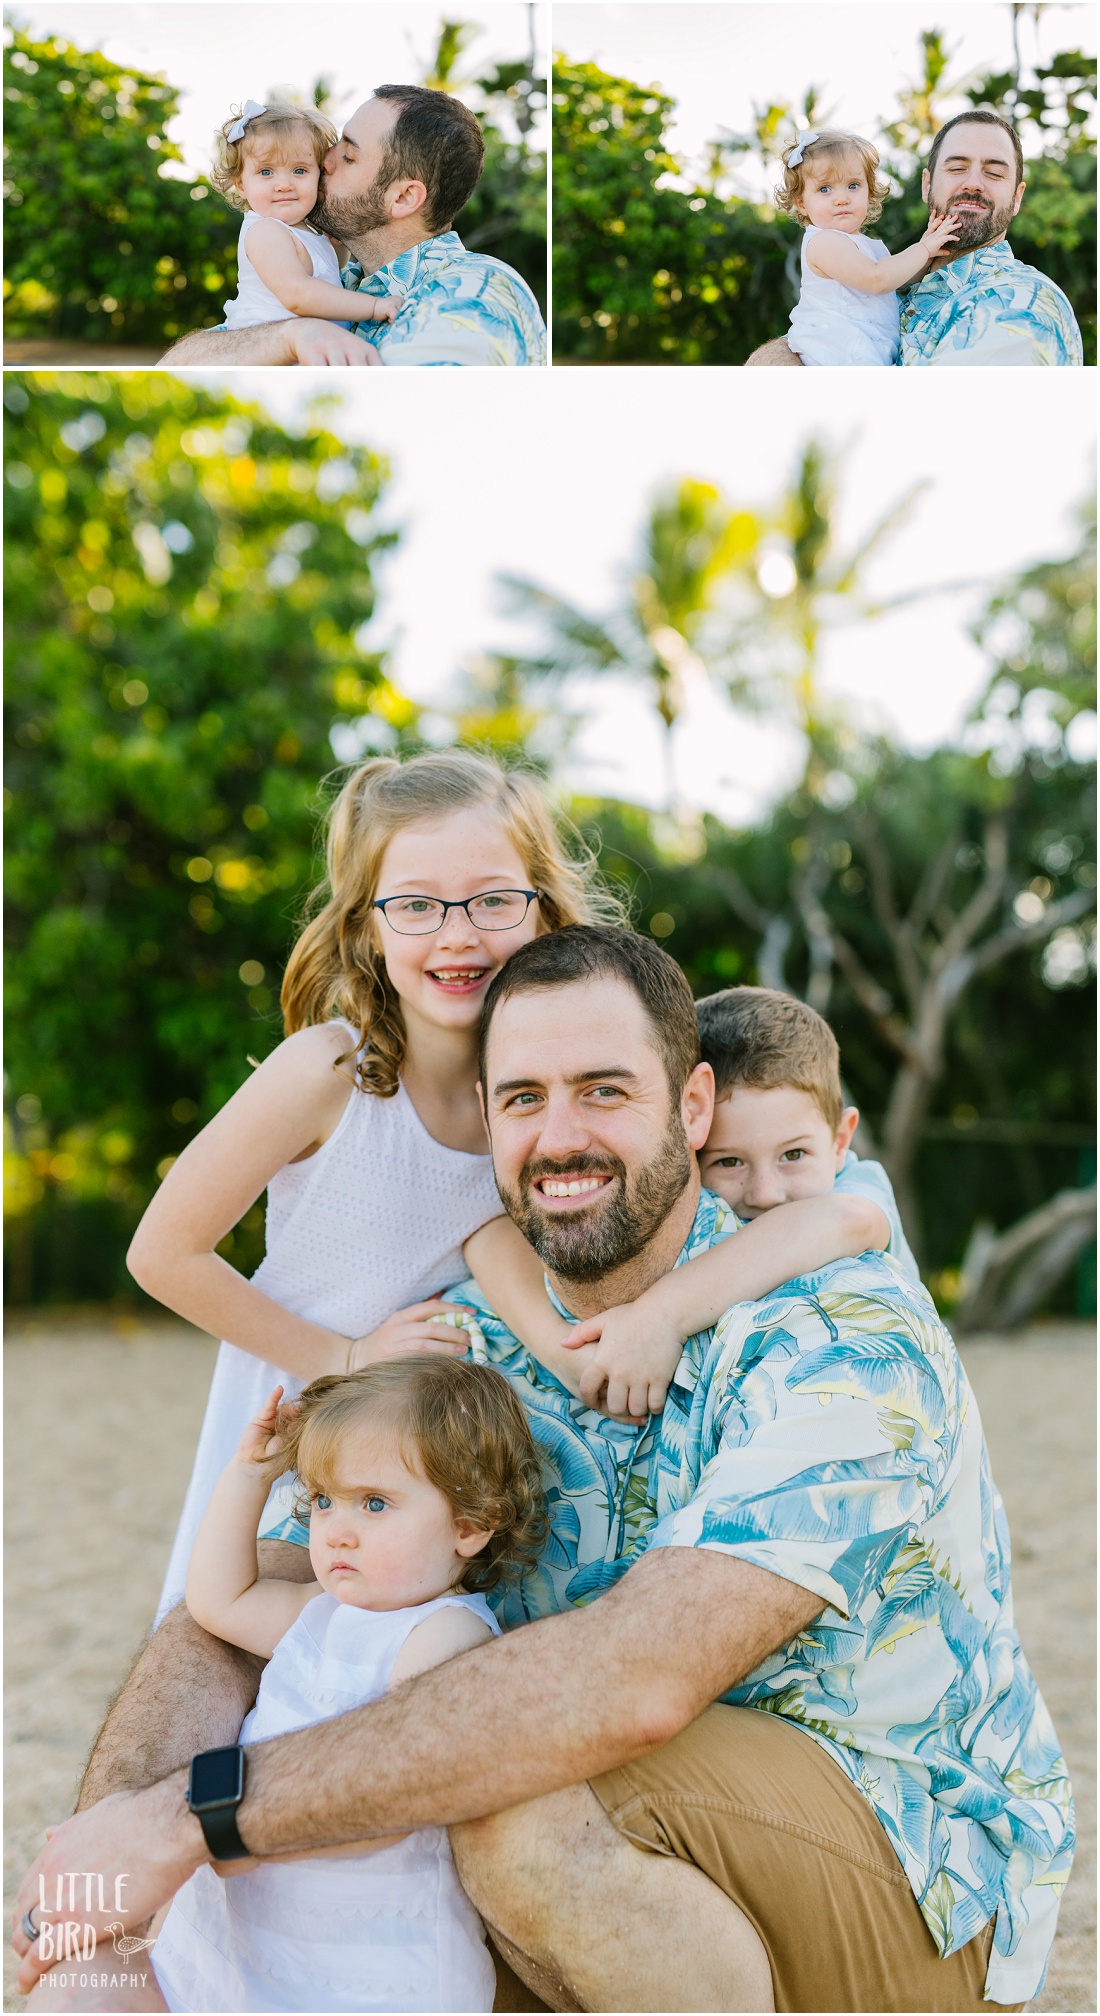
[(976, 303), (405, 165), (759, 1733)]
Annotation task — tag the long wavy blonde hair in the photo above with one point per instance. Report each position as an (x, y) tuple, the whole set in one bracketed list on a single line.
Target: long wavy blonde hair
[(337, 967)]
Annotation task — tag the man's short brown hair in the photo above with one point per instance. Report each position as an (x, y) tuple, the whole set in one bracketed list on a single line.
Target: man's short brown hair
[(979, 119), (436, 140), (757, 1036), (597, 952)]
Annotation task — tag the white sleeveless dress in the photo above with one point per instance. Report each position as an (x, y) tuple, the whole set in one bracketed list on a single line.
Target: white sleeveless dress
[(253, 302), (372, 1222), (831, 324), (390, 1931)]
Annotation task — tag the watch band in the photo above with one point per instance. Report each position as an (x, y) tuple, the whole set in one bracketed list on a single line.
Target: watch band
[(219, 1826)]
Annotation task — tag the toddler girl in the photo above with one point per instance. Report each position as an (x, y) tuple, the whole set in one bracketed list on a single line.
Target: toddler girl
[(269, 162), (847, 312), (422, 1489)]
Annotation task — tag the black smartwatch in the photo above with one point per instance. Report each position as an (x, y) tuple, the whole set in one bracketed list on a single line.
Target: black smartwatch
[(214, 1792)]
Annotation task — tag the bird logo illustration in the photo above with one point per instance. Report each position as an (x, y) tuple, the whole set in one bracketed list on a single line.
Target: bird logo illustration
[(124, 1943)]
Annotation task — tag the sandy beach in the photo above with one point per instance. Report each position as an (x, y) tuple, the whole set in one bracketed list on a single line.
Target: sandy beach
[(102, 1418)]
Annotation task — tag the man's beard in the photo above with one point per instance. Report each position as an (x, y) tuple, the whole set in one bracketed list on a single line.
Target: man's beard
[(979, 227), (355, 216), (584, 1245)]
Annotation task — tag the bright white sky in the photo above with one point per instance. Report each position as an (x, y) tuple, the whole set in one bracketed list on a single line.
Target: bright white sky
[(499, 482), (220, 52), (718, 60)]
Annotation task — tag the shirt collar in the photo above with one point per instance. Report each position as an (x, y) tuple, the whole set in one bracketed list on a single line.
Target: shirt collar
[(712, 1218), (981, 265), (401, 275)]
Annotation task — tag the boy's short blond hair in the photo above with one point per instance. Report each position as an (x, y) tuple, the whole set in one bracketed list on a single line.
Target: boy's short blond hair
[(759, 1037), (831, 146), (269, 129)]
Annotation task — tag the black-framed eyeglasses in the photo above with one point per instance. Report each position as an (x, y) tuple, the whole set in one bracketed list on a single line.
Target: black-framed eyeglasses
[(493, 910)]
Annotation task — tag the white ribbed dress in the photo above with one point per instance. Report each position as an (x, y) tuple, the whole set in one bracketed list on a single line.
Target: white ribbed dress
[(253, 302), (372, 1222), (388, 1931), (833, 324)]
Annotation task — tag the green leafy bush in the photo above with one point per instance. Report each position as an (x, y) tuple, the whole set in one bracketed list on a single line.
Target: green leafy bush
[(100, 243)]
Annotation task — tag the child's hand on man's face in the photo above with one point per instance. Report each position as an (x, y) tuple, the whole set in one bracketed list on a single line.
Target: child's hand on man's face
[(940, 231)]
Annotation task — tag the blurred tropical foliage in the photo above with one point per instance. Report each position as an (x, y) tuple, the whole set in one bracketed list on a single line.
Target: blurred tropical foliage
[(656, 262), (189, 603), (100, 242), (107, 238), (191, 649)]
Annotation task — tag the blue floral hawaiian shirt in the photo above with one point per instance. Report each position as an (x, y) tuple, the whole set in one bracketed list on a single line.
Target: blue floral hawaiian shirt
[(988, 308), (827, 1433), (460, 307)]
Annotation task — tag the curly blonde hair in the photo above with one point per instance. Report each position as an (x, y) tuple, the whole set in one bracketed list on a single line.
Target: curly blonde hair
[(461, 1425), (830, 146), (267, 133), (337, 967)]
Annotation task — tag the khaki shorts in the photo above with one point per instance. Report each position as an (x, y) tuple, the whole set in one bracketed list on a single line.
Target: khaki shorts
[(762, 1810)]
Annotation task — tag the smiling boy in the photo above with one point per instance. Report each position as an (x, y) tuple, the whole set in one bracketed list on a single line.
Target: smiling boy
[(781, 1130)]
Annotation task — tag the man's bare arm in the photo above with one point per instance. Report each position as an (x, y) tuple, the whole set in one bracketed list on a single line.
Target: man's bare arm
[(188, 1692), (547, 1706), (778, 351), (299, 340)]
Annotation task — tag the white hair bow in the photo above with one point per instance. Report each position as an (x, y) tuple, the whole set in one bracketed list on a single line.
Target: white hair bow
[(795, 160), (251, 111)]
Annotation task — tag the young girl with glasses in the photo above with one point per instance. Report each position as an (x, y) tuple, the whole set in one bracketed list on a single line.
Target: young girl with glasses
[(364, 1125)]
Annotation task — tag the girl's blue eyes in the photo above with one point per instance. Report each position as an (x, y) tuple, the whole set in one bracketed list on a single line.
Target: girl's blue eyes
[(374, 1504)]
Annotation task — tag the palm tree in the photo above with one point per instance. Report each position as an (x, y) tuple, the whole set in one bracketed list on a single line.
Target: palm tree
[(743, 597), (442, 73), (920, 115), (791, 590), (658, 633)]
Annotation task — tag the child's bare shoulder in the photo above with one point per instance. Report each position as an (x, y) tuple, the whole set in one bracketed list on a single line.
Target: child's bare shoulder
[(317, 1064), (273, 232), (441, 1636), (314, 1050)]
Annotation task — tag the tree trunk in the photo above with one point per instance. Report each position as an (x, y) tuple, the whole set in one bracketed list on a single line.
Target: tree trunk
[(1015, 1271)]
